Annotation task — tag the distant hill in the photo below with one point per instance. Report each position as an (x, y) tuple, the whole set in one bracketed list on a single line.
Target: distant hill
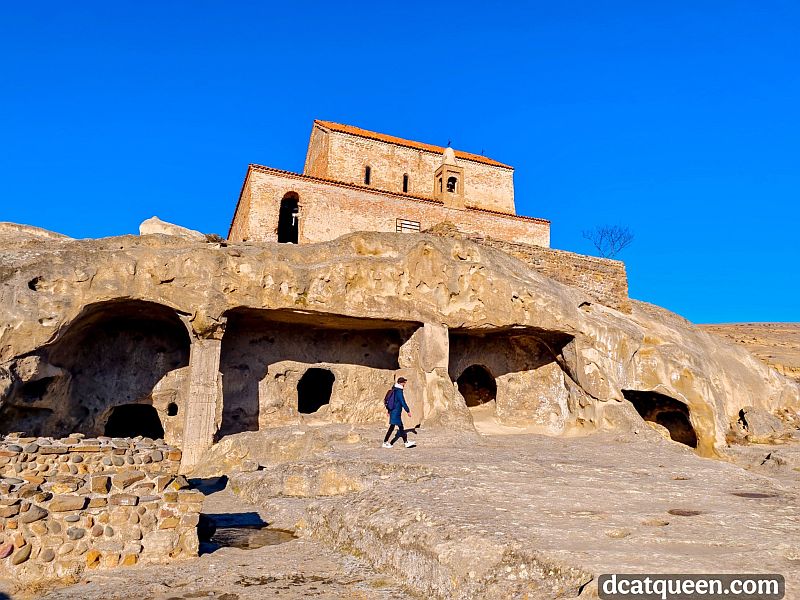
[(777, 344)]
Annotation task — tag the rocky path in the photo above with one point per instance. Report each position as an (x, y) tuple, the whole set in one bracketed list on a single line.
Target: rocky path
[(502, 516)]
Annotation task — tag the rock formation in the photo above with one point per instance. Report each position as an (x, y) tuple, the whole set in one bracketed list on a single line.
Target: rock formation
[(777, 344), (209, 340)]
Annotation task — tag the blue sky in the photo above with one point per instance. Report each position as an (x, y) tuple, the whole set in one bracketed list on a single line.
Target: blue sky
[(678, 119)]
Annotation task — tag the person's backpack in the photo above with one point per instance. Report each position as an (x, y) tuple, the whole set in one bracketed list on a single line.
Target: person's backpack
[(388, 400)]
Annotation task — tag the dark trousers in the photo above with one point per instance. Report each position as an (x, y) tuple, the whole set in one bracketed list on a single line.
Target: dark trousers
[(401, 433)]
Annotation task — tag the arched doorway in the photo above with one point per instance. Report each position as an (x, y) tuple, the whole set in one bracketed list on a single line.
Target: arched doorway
[(288, 219), (477, 385), (130, 420), (314, 390), (667, 412)]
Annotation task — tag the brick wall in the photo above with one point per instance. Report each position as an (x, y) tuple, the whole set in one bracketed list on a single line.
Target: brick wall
[(603, 279), (329, 210), (241, 218), (342, 157)]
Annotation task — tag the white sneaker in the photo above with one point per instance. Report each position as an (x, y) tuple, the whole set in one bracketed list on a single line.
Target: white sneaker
[(387, 445), (410, 444)]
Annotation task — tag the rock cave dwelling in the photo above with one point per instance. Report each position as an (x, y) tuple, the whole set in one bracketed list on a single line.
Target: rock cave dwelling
[(385, 257)]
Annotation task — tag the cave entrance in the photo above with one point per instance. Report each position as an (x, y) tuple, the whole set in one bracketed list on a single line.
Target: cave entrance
[(288, 225), (130, 420), (667, 412), (477, 385), (314, 390)]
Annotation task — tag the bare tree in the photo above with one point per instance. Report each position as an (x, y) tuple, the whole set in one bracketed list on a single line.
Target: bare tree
[(609, 240)]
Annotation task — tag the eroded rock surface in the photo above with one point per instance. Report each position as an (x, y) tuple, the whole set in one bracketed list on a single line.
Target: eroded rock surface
[(126, 314), (502, 516), (777, 344)]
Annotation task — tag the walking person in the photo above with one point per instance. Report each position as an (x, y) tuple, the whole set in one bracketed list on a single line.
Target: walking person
[(395, 403)]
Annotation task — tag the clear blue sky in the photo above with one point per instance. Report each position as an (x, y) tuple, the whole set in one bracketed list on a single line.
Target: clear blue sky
[(679, 119)]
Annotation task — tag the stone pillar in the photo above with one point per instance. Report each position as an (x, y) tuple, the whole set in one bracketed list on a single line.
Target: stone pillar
[(203, 399), (424, 361)]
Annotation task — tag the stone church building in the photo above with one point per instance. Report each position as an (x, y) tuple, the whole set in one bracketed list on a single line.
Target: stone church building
[(359, 180)]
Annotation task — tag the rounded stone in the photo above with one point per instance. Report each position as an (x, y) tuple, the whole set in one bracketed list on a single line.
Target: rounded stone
[(75, 533), (47, 555)]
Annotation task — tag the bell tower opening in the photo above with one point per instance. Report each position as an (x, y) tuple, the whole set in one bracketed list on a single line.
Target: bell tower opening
[(448, 180), (289, 219)]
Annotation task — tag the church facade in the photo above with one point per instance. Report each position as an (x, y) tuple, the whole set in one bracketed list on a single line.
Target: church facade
[(359, 180)]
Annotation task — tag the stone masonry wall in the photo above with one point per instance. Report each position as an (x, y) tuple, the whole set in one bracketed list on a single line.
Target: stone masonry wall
[(75, 503), (329, 210), (241, 220), (485, 186), (603, 279)]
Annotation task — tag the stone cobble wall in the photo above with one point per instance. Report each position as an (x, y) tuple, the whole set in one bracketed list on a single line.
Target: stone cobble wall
[(603, 279), (329, 210), (72, 504)]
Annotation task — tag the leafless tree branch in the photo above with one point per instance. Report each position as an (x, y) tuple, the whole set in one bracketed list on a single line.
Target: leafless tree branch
[(609, 240)]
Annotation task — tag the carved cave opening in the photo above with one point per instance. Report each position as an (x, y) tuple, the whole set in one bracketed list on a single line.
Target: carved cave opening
[(130, 420), (114, 353), (667, 412), (477, 385), (481, 360), (314, 390), (255, 339)]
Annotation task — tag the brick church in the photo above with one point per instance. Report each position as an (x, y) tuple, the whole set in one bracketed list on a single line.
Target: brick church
[(359, 180)]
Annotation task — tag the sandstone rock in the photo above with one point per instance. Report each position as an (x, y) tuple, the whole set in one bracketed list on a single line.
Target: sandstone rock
[(129, 560), (6, 550), (34, 513), (160, 543), (100, 484), (21, 555), (67, 503), (154, 225), (93, 559), (760, 425), (124, 479), (9, 511), (123, 500)]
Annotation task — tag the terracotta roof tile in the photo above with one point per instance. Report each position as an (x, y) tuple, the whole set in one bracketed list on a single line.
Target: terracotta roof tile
[(357, 131)]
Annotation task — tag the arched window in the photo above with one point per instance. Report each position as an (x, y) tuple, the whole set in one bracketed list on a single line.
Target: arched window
[(451, 184), (288, 219), (367, 175), (405, 183), (440, 184)]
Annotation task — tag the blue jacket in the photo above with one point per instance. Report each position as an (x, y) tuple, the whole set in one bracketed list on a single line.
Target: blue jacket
[(395, 415)]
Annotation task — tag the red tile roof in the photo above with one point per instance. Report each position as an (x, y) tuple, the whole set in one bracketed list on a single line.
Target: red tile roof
[(390, 139)]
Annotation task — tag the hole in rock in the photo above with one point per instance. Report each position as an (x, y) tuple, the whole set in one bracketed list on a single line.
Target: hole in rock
[(35, 390), (130, 420), (246, 531), (477, 385), (684, 512), (754, 495), (34, 284), (172, 409), (314, 390), (666, 411)]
